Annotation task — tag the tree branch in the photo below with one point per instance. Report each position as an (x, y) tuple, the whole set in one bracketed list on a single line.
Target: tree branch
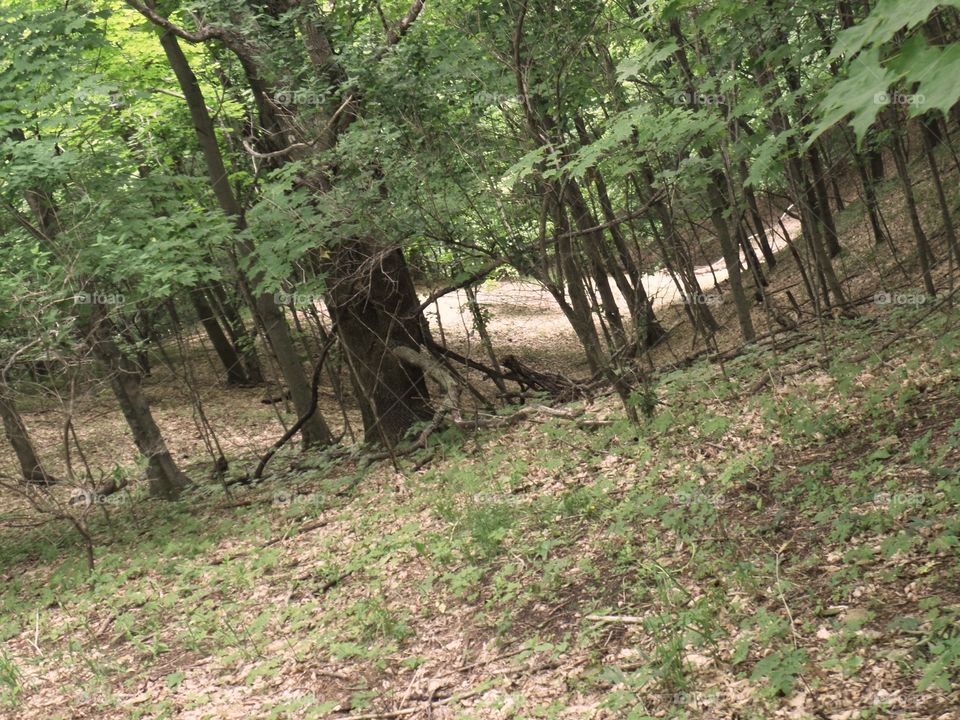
[(202, 35), (616, 221), (407, 21), (470, 280)]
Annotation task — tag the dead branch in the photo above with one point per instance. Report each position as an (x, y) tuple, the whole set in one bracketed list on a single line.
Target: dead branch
[(472, 279), (560, 387), (314, 394)]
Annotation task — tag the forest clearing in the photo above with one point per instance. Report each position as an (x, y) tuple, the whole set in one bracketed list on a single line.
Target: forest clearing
[(484, 360)]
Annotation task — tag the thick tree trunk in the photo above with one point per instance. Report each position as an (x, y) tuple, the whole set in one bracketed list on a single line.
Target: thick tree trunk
[(372, 300)]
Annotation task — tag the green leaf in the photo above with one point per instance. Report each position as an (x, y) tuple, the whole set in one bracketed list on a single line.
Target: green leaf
[(939, 88), (884, 21), (863, 93), (645, 60)]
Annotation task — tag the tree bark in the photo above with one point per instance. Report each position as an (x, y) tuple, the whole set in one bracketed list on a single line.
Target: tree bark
[(314, 431), (924, 252), (372, 300), (731, 257), (16, 431), (166, 479), (224, 349)]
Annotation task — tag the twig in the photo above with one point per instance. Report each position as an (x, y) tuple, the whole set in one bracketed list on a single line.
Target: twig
[(622, 619)]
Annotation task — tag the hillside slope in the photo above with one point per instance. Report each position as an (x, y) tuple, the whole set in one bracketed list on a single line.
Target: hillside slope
[(779, 540)]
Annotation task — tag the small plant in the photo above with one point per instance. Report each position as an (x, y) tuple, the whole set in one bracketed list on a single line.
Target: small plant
[(10, 685)]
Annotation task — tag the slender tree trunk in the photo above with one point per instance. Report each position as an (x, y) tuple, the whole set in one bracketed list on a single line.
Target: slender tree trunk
[(242, 339), (480, 323), (315, 430), (869, 194), (930, 142), (757, 218), (648, 328), (677, 257), (224, 349), (924, 253), (584, 220), (822, 210), (16, 432), (166, 479), (731, 257)]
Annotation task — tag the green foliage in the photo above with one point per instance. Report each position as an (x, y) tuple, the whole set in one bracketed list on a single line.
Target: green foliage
[(780, 670), (10, 687), (875, 62)]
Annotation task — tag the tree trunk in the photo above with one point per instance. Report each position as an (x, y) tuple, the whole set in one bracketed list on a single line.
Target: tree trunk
[(584, 220), (166, 479), (924, 253), (648, 328), (242, 340), (224, 349), (16, 431), (822, 211), (315, 430), (930, 142), (372, 300), (731, 257)]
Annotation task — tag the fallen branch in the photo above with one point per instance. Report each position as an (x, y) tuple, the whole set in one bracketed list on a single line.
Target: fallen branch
[(305, 528), (558, 386)]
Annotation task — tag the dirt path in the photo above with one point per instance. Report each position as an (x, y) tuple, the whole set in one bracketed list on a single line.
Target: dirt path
[(525, 319)]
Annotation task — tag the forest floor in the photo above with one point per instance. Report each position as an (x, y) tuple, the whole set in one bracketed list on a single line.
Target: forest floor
[(780, 540)]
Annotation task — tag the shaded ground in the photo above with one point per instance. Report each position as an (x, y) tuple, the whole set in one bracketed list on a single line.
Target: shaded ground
[(779, 541), (790, 552)]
